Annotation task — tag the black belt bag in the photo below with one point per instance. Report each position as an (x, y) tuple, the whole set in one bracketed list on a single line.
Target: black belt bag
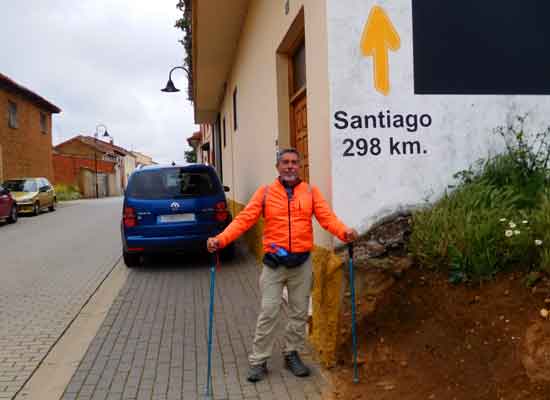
[(292, 260)]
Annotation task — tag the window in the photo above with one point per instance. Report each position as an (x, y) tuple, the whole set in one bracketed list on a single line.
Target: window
[(299, 68), (172, 183), (43, 123), (224, 133), (12, 114), (235, 124), (21, 185)]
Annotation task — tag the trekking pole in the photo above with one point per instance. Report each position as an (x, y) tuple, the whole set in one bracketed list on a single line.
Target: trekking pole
[(215, 263), (353, 322)]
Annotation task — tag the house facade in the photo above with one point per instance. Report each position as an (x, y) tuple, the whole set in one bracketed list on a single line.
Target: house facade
[(383, 111), (142, 159), (195, 142), (95, 182), (80, 171), (25, 132), (130, 163)]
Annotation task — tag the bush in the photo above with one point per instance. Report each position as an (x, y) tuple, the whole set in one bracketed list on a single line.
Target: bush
[(497, 217), (462, 233), (66, 192)]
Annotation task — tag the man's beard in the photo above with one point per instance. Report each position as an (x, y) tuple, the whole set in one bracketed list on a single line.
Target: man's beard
[(290, 181), (289, 177)]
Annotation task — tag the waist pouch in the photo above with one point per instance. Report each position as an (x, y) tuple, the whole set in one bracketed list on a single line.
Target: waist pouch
[(292, 260)]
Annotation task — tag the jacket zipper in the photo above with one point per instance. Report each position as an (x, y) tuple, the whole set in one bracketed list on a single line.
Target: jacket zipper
[(289, 231)]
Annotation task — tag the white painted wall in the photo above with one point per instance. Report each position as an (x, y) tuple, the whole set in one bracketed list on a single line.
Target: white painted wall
[(369, 187), (129, 167), (250, 152)]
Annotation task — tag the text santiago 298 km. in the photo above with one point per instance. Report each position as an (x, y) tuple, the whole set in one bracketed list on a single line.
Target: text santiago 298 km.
[(373, 146)]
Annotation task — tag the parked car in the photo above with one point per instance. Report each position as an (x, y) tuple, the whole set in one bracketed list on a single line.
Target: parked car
[(172, 209), (32, 194), (8, 206)]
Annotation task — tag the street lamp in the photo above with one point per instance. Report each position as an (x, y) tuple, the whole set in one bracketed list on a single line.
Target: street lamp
[(170, 88), (96, 134)]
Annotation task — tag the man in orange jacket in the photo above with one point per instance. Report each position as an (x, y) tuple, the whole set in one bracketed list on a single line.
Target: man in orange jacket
[(287, 206)]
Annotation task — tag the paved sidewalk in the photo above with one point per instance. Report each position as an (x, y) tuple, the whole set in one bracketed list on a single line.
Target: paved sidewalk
[(153, 342)]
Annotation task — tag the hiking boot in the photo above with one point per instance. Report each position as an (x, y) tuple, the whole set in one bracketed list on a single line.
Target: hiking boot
[(257, 372), (295, 364)]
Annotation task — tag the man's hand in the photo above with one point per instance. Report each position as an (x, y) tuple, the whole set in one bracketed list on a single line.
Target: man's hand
[(213, 245), (350, 235)]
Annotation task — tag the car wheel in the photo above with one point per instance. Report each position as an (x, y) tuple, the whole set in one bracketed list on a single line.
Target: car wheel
[(228, 253), (131, 260), (52, 207), (36, 209), (13, 215)]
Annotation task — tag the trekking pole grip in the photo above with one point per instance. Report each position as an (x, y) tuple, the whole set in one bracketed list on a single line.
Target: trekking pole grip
[(350, 250)]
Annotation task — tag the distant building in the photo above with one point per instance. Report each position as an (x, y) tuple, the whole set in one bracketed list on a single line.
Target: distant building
[(80, 171), (142, 160), (94, 150), (195, 142), (25, 132), (202, 144)]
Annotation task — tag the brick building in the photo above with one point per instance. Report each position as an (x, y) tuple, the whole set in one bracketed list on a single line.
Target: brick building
[(87, 147), (25, 132), (67, 168)]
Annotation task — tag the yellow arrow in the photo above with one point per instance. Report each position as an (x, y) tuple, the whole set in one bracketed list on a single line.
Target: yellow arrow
[(380, 36)]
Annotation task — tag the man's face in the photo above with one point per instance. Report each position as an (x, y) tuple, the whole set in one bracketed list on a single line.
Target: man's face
[(289, 167)]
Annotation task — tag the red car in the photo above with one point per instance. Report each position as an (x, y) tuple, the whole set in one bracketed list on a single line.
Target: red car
[(8, 207)]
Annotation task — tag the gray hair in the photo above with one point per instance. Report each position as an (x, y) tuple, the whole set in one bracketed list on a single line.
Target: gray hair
[(282, 152)]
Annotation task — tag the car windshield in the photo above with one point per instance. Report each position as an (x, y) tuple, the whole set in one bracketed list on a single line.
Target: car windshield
[(171, 183), (21, 185)]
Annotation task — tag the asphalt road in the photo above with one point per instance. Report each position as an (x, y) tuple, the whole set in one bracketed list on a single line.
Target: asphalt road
[(50, 266)]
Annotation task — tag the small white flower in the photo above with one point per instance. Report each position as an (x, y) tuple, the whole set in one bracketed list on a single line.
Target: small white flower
[(509, 233), (525, 221), (512, 225), (516, 232), (538, 242), (503, 220)]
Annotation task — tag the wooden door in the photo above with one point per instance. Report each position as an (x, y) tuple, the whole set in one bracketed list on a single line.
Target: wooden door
[(298, 105), (299, 134)]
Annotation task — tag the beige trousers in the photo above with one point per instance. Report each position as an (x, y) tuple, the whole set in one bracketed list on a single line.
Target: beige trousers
[(272, 281)]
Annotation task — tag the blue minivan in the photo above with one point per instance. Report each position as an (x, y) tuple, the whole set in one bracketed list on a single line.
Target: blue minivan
[(172, 209)]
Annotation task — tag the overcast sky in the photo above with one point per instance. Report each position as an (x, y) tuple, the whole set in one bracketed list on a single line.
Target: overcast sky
[(103, 62)]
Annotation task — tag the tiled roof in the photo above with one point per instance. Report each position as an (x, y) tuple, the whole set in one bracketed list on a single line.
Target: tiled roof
[(10, 85), (98, 144)]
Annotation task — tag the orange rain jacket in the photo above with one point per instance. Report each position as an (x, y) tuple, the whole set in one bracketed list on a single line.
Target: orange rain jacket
[(287, 222)]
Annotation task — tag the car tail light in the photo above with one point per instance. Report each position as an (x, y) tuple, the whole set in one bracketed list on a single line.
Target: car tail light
[(221, 211), (136, 249), (129, 217)]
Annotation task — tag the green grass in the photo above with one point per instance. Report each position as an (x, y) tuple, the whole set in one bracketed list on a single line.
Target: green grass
[(492, 221), (66, 192)]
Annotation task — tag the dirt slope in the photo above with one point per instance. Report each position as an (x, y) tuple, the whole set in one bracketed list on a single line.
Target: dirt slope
[(433, 340)]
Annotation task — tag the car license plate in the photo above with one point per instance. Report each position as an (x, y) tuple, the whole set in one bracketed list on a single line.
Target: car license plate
[(163, 219)]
